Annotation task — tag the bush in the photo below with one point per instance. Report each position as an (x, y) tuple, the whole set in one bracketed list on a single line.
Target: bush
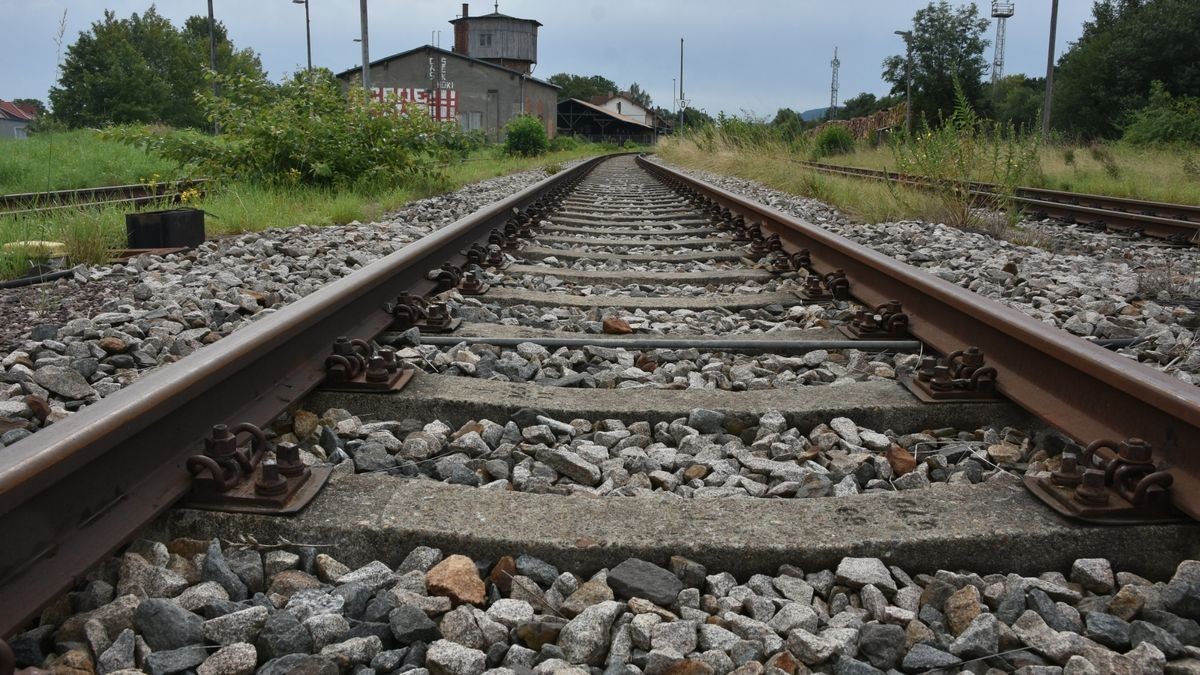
[(564, 144), (1166, 120), (526, 136), (834, 139), (310, 132), (966, 148)]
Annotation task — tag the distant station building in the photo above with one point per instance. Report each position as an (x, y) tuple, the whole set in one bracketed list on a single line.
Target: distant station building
[(616, 117), (483, 83)]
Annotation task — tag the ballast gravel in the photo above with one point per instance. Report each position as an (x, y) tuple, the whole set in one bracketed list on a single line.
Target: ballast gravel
[(604, 367), (706, 455), (1096, 286), (70, 343), (217, 608)]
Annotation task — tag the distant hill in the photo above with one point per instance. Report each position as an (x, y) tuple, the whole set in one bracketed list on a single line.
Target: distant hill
[(814, 114)]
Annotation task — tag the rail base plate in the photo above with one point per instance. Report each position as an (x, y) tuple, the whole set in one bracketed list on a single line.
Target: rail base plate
[(1117, 511), (243, 499), (361, 385), (957, 396)]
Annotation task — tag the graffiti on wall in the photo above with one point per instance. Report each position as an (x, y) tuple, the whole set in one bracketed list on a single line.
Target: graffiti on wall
[(442, 104)]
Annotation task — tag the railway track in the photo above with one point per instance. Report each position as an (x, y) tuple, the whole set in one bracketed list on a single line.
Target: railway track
[(27, 203), (622, 330), (1174, 223)]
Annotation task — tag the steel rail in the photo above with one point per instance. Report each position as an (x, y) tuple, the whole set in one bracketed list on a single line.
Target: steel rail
[(37, 202), (798, 346), (1174, 222), (75, 491), (1082, 389)]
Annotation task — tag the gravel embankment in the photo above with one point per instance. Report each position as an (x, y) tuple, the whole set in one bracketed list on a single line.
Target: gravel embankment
[(1089, 284), (194, 606), (75, 341)]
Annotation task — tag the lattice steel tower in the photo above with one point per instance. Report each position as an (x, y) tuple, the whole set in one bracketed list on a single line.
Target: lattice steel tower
[(1001, 12), (833, 87)]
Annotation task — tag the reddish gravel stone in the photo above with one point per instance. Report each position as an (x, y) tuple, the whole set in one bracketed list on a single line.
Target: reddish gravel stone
[(616, 326), (456, 578)]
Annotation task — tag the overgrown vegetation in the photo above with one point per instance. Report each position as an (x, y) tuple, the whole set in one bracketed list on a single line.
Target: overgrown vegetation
[(832, 140), (525, 136), (1166, 120), (951, 155), (310, 132)]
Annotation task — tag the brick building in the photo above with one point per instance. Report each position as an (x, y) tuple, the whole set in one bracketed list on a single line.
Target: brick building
[(482, 83)]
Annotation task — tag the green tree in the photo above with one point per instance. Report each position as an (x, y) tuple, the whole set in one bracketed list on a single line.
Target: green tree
[(142, 69), (1106, 75), (640, 96), (38, 107), (582, 87), (947, 45), (867, 104), (1016, 100)]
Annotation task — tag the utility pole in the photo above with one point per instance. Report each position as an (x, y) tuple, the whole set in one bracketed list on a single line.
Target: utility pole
[(833, 87), (681, 101), (212, 57), (1049, 73), (307, 31), (366, 52)]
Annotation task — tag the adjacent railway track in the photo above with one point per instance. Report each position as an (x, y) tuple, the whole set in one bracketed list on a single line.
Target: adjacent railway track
[(27, 203), (1176, 223), (76, 491)]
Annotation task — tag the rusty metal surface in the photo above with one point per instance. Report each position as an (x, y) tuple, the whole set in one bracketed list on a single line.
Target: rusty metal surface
[(1082, 389), (74, 492)]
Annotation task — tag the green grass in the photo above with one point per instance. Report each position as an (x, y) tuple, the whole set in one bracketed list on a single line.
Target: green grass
[(1115, 169), (773, 165), (236, 207), (75, 159)]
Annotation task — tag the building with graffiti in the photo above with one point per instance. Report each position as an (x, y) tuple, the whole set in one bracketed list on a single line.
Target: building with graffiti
[(482, 83)]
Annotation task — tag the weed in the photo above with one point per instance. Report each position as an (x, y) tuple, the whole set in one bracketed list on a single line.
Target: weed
[(832, 140), (1068, 155), (552, 168)]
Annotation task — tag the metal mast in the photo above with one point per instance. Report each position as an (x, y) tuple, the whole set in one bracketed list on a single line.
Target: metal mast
[(1001, 12), (833, 87)]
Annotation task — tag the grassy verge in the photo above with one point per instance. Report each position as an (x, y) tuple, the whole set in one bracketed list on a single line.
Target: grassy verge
[(244, 207), (74, 159), (1116, 169), (869, 201)]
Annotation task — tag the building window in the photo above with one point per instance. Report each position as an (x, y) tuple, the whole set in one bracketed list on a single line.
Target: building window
[(485, 39)]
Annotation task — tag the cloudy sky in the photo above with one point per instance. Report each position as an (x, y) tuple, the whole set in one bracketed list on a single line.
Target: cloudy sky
[(740, 55)]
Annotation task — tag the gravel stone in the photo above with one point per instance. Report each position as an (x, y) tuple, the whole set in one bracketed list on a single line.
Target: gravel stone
[(166, 626), (636, 578)]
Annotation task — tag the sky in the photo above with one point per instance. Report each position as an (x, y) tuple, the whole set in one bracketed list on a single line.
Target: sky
[(740, 56)]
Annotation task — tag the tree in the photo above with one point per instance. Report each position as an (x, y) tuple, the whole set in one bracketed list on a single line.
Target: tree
[(39, 108), (582, 87), (947, 45), (142, 69), (640, 96), (789, 123), (866, 104), (1016, 100), (1106, 75)]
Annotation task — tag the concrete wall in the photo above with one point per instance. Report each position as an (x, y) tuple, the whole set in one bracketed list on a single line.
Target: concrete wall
[(472, 92), (13, 128)]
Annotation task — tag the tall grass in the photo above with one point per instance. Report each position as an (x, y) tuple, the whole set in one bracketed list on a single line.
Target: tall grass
[(233, 207), (75, 159)]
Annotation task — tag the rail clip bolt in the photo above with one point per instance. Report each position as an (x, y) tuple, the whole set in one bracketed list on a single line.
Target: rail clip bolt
[(926, 368), (377, 370), (972, 357), (270, 483), (388, 354), (220, 444), (942, 379), (1135, 451), (1068, 472), (1092, 489), (287, 458)]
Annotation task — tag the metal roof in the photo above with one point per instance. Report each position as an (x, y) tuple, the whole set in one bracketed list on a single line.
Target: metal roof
[(494, 15)]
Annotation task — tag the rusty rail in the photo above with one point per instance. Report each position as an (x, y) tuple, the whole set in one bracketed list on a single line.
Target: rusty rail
[(75, 491), (1083, 390), (25, 203), (1177, 223)]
